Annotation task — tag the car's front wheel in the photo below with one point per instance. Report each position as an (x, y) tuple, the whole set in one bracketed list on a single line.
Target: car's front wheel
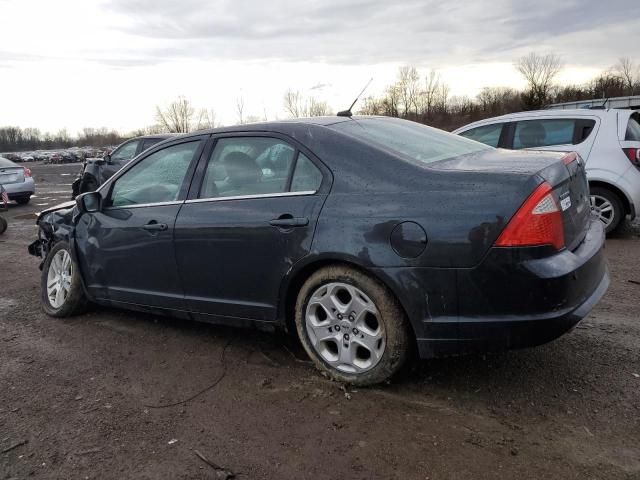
[(352, 326), (61, 287)]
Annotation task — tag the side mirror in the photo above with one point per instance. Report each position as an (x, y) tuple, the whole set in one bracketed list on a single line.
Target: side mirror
[(89, 202), (107, 157)]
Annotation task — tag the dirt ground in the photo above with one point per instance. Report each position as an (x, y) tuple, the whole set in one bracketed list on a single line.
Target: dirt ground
[(79, 398)]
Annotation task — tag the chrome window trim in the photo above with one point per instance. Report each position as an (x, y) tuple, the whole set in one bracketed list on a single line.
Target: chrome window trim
[(140, 205), (248, 197)]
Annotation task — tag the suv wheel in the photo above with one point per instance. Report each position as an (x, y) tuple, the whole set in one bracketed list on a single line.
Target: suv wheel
[(351, 326), (607, 206)]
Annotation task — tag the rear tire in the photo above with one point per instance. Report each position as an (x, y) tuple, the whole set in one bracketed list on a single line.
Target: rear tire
[(3, 225), (60, 284), (607, 205), (352, 326), (23, 200)]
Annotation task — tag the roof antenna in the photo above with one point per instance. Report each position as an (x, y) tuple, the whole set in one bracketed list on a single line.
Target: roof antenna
[(347, 113)]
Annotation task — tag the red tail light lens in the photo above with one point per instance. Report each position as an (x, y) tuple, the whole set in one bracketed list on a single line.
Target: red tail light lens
[(633, 154), (538, 222), (27, 172)]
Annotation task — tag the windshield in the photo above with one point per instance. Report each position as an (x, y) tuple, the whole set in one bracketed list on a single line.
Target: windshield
[(415, 141)]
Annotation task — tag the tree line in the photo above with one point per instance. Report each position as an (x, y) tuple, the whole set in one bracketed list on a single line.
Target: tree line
[(414, 96), (427, 99)]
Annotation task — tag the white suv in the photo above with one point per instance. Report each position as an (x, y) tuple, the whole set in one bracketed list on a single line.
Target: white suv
[(607, 140)]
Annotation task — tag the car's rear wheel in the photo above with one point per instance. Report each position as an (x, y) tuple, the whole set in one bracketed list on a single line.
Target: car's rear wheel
[(607, 206), (3, 225), (23, 200), (61, 287), (352, 326)]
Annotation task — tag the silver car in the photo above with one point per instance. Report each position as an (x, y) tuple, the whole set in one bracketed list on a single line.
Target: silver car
[(17, 181)]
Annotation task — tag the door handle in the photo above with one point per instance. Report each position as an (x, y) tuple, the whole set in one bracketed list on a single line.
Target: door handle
[(154, 226), (288, 221)]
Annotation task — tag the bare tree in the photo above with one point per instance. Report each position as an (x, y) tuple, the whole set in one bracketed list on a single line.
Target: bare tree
[(206, 119), (539, 71), (408, 88), (240, 109), (627, 71), (432, 84), (294, 104), (317, 108), (177, 117)]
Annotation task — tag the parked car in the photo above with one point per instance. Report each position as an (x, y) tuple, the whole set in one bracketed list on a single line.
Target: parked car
[(17, 181), (608, 141), (370, 237), (95, 171)]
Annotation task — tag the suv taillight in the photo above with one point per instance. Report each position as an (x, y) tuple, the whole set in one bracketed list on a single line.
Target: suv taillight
[(537, 222), (633, 154)]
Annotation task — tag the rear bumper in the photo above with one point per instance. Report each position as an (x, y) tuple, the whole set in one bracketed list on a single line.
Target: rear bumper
[(20, 190), (512, 300)]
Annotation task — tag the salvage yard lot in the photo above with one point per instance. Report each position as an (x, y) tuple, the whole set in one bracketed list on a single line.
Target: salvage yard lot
[(83, 393)]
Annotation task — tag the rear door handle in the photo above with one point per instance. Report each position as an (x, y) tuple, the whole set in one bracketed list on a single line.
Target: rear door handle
[(287, 221), (154, 226)]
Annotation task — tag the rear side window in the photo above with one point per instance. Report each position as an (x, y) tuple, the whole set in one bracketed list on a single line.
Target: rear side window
[(306, 176), (6, 163), (633, 129), (546, 133), (487, 134)]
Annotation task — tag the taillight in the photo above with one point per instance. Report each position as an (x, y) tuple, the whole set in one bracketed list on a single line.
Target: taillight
[(27, 172), (537, 222), (633, 154)]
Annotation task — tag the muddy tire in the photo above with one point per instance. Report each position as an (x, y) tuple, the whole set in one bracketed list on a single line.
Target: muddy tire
[(60, 284), (352, 326), (3, 225)]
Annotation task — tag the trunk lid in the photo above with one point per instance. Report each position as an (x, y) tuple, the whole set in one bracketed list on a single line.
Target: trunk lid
[(11, 175), (565, 173)]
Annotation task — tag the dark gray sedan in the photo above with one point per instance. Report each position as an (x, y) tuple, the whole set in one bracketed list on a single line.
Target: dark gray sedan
[(369, 237)]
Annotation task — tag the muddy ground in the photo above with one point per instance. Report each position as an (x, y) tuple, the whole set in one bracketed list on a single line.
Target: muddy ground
[(84, 394)]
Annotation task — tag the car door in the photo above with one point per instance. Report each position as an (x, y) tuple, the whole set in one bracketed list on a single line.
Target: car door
[(126, 249), (250, 216), (119, 158)]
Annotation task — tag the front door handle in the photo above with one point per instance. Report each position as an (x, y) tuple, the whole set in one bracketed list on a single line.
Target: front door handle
[(288, 221), (154, 226)]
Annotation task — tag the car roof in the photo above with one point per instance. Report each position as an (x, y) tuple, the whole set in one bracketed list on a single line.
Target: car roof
[(583, 112)]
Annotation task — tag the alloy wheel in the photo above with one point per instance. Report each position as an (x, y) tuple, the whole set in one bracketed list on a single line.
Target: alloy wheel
[(59, 278), (603, 208), (345, 327)]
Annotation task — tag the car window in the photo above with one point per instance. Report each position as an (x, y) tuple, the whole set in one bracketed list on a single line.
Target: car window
[(241, 166), (633, 130), (155, 179), (149, 142), (306, 177), (413, 141), (6, 162), (487, 134), (125, 152), (543, 133)]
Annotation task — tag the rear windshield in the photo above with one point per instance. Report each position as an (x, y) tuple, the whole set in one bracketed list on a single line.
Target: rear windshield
[(633, 129), (417, 142), (6, 163)]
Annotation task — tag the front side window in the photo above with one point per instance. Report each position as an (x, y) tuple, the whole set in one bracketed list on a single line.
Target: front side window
[(487, 134), (125, 152), (155, 179), (543, 133), (241, 166)]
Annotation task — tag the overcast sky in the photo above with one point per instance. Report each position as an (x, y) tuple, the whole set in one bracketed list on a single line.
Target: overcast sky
[(66, 63)]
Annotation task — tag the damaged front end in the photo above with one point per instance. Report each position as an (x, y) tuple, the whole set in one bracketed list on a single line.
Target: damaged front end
[(54, 225)]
